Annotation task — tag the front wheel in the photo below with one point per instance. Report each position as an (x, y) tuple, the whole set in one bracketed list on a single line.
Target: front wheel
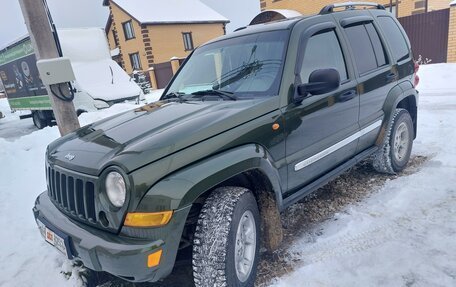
[(226, 242), (395, 152)]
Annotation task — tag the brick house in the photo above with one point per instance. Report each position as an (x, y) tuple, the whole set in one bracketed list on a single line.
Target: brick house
[(400, 8), (405, 10), (145, 32)]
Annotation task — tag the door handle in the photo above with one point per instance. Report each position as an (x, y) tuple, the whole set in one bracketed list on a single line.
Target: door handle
[(347, 96), (391, 77)]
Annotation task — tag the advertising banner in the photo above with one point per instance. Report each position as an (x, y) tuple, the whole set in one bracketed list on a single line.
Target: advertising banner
[(20, 77)]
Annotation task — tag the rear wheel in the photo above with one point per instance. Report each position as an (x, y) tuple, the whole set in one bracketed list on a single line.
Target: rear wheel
[(395, 153), (226, 242), (39, 119)]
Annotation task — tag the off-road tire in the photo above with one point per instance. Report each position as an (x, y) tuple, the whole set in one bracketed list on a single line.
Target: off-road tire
[(385, 159), (215, 236)]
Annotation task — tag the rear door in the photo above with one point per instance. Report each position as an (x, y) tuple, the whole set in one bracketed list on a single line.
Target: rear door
[(320, 128), (376, 75)]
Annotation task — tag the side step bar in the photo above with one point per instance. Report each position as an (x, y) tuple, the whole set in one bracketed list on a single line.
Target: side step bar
[(313, 186)]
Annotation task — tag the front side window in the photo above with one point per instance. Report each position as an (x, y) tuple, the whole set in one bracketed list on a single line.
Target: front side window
[(188, 41), (322, 52), (128, 30), (135, 61), (247, 66)]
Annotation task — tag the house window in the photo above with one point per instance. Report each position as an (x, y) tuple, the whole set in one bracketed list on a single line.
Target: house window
[(420, 4), (135, 61), (188, 41), (128, 30)]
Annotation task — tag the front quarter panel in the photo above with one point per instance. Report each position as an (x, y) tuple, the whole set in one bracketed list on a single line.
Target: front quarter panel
[(184, 187)]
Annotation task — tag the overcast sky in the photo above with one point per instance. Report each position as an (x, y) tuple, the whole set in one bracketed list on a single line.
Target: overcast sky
[(91, 13)]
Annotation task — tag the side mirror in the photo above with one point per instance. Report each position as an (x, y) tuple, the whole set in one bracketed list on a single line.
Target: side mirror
[(321, 81)]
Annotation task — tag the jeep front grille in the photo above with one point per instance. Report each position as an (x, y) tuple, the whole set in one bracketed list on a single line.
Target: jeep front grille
[(74, 196)]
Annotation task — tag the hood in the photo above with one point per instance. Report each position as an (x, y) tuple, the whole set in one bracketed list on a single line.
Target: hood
[(141, 136)]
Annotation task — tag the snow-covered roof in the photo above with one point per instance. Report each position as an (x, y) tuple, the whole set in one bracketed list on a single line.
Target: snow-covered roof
[(170, 11)]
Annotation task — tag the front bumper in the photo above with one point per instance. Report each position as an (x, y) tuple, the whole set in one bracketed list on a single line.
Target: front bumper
[(122, 256)]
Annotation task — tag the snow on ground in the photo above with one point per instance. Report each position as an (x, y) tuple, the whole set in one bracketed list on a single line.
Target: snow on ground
[(25, 259), (401, 236), (405, 234)]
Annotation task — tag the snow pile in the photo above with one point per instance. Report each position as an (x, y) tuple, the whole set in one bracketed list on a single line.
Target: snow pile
[(403, 235), (95, 71), (437, 78)]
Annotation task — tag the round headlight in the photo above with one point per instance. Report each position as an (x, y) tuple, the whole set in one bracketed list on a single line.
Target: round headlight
[(116, 188)]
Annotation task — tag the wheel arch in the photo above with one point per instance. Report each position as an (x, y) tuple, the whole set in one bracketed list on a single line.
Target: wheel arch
[(238, 165), (248, 166), (403, 96)]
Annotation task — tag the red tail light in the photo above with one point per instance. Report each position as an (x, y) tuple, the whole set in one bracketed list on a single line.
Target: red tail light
[(416, 77)]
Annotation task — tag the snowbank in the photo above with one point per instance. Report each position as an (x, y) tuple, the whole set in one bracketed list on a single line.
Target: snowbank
[(437, 78)]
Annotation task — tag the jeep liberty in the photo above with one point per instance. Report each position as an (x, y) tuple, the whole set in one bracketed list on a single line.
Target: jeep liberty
[(252, 122)]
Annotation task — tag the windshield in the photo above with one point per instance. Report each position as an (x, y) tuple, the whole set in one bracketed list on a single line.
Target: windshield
[(246, 66)]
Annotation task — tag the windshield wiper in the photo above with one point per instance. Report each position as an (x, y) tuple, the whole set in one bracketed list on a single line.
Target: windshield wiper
[(174, 95), (221, 94)]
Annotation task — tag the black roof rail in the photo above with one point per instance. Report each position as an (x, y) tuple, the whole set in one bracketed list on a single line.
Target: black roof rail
[(349, 6)]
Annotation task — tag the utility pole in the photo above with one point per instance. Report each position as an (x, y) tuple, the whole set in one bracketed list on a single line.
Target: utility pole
[(39, 28)]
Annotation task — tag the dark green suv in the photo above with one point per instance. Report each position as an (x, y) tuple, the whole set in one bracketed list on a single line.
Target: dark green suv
[(253, 122)]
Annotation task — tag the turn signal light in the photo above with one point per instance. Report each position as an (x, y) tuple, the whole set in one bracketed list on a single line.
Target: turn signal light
[(147, 219), (154, 258)]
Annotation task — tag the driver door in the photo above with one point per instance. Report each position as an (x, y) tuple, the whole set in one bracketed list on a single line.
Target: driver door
[(321, 130)]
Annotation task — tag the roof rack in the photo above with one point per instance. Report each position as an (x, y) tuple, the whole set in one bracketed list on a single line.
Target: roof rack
[(349, 6)]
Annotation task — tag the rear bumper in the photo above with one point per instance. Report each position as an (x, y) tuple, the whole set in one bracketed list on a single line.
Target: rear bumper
[(122, 256)]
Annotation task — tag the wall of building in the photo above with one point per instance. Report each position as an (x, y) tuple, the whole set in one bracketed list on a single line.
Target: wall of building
[(406, 7), (438, 4), (156, 43), (131, 46), (451, 57), (167, 40), (110, 35)]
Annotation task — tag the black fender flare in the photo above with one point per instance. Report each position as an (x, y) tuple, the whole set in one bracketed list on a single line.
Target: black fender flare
[(183, 187), (396, 95)]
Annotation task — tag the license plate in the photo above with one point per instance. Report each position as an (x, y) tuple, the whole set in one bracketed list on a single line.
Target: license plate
[(52, 238)]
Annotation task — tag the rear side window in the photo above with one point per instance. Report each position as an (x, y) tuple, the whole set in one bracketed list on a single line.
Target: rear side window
[(322, 52), (379, 50), (362, 48), (395, 38)]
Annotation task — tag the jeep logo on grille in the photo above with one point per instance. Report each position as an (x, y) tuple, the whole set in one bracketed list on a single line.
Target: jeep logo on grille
[(70, 156)]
